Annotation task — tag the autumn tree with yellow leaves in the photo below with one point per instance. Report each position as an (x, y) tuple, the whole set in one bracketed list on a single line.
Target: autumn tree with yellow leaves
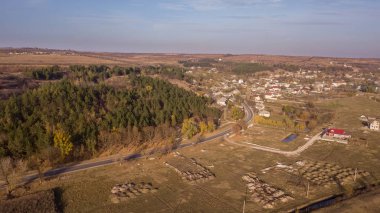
[(62, 141)]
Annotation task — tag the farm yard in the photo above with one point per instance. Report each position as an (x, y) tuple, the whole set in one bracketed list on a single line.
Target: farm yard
[(189, 169), (264, 193)]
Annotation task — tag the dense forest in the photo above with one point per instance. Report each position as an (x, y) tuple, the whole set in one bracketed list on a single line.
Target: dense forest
[(249, 68), (202, 62), (91, 73), (98, 73), (46, 73), (78, 120), (171, 72)]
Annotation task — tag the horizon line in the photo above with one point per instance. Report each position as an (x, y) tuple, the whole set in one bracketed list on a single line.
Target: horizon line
[(195, 53)]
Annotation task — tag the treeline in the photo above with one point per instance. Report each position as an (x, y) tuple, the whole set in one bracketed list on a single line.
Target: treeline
[(46, 73), (249, 68), (91, 73), (191, 127), (333, 69), (77, 121), (285, 123), (96, 73), (166, 71), (302, 118), (203, 62), (287, 67), (308, 114)]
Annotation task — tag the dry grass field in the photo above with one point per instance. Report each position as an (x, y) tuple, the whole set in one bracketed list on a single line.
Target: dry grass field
[(172, 59), (38, 202), (90, 191), (272, 137), (363, 203), (52, 60)]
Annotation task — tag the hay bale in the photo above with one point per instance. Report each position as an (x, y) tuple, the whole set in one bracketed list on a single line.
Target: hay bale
[(114, 190), (114, 199), (123, 199)]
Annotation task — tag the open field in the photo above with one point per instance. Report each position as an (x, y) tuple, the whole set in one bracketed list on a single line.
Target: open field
[(272, 137), (362, 203), (91, 190), (52, 60), (44, 201), (155, 58), (209, 178)]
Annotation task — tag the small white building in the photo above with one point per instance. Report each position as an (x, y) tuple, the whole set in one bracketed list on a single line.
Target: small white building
[(270, 97), (374, 125), (222, 101), (236, 92), (264, 113), (260, 106), (257, 98)]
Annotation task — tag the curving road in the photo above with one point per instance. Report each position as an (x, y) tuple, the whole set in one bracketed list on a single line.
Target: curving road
[(111, 160)]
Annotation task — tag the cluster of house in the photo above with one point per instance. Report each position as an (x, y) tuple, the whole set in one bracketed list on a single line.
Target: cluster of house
[(227, 90), (340, 135), (259, 105), (277, 85), (42, 53), (370, 122)]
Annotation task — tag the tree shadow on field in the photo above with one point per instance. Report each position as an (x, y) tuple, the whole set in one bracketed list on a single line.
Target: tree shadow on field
[(60, 205)]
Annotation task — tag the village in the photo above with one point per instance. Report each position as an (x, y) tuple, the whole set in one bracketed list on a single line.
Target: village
[(286, 88)]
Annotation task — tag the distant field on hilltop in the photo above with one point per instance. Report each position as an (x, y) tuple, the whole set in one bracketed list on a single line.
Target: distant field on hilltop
[(30, 56)]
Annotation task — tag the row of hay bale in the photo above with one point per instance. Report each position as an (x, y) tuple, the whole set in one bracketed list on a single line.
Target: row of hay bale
[(264, 193), (323, 173), (123, 192), (196, 175)]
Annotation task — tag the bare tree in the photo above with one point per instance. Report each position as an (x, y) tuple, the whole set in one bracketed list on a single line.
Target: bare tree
[(19, 170), (36, 163), (6, 168)]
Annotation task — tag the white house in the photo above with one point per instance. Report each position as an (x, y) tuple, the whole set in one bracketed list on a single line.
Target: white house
[(374, 125), (257, 98), (264, 113), (236, 92), (270, 97), (260, 106), (222, 101)]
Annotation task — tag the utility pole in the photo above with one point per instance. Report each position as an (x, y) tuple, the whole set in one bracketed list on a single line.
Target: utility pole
[(307, 192)]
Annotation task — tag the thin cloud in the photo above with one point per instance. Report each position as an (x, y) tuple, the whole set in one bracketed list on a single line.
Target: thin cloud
[(313, 23), (242, 17), (206, 5)]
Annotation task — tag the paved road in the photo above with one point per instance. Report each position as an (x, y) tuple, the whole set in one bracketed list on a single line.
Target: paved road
[(296, 152), (111, 160)]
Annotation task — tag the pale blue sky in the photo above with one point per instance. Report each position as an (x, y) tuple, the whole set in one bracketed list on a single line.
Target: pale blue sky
[(290, 27)]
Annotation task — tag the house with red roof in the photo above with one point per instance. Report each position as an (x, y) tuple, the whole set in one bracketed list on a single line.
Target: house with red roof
[(337, 133)]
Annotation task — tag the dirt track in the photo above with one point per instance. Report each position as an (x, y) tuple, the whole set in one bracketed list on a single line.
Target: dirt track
[(296, 152)]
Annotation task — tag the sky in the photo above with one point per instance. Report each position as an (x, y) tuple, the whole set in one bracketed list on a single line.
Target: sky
[(339, 28)]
